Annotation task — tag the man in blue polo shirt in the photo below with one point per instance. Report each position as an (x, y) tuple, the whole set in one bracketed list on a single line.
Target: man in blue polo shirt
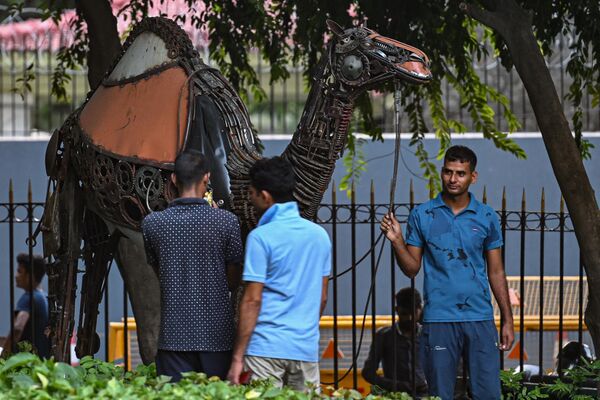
[(197, 252), (456, 236), (286, 271)]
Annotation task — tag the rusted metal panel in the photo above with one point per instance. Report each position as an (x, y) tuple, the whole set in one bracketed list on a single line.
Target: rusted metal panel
[(139, 119)]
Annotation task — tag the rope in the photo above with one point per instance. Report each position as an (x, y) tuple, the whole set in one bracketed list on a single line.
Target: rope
[(391, 207), (362, 329), (396, 144)]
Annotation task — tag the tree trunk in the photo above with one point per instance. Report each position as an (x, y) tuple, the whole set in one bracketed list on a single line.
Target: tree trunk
[(514, 24), (103, 35)]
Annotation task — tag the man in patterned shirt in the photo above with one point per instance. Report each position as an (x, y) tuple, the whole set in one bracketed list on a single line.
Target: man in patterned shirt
[(197, 252)]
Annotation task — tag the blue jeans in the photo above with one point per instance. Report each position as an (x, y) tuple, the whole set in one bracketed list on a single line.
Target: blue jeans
[(441, 347)]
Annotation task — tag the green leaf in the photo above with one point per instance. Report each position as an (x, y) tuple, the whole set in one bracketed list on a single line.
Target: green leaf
[(252, 394), (18, 360), (43, 380), (271, 392), (23, 381)]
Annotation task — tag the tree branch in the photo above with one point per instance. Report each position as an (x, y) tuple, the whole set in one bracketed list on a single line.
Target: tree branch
[(103, 36), (515, 25), (482, 15), (500, 15)]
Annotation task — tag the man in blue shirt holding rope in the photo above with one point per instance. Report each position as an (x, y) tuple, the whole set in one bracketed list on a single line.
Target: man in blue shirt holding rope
[(456, 237)]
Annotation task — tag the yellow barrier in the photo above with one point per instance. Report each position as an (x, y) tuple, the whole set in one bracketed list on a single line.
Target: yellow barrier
[(116, 341), (344, 324)]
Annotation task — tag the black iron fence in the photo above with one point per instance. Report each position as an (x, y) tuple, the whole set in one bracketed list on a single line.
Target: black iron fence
[(546, 280), (27, 112), (545, 276)]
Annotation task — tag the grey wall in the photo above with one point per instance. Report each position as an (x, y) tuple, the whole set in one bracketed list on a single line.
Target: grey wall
[(497, 169), (23, 161)]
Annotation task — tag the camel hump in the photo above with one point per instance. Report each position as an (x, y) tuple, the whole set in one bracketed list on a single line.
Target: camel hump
[(158, 99), (140, 111), (139, 119)]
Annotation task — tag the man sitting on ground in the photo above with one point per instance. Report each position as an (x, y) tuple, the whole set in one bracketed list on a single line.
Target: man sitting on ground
[(29, 276), (382, 349)]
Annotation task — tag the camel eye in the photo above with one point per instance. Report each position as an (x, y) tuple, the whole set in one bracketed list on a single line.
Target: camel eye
[(352, 67)]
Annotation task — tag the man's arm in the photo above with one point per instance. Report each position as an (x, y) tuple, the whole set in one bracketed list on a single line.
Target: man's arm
[(408, 257), (234, 253), (249, 309), (369, 371), (497, 279), (151, 258), (19, 326), (324, 294), (234, 276)]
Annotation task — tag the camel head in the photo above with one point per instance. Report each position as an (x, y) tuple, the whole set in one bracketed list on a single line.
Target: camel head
[(362, 58)]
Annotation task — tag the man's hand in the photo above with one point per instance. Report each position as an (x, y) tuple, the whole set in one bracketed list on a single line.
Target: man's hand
[(235, 370), (508, 336), (407, 257), (391, 227), (249, 310)]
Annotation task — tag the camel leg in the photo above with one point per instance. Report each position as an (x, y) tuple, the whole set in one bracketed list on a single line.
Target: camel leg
[(98, 250), (62, 271), (144, 292)]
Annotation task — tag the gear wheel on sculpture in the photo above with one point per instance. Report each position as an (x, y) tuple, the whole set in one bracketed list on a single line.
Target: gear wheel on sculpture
[(102, 173), (148, 183), (124, 177)]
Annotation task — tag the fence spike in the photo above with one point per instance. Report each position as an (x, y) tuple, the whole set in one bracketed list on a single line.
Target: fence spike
[(353, 193), (11, 195), (333, 192), (412, 194), (484, 197), (543, 201), (503, 198), (562, 204), (29, 194), (523, 202), (372, 194)]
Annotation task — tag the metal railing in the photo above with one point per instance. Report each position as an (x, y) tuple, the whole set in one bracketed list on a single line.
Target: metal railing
[(365, 276), (38, 111)]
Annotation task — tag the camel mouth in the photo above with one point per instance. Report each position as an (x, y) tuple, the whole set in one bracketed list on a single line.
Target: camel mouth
[(414, 69), (408, 61)]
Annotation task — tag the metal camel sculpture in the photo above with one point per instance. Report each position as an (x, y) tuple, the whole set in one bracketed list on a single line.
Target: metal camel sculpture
[(110, 161)]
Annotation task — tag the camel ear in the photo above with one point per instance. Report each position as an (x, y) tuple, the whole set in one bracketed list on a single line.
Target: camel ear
[(335, 28)]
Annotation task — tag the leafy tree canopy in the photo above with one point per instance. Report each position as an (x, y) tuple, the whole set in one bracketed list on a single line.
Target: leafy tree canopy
[(286, 32)]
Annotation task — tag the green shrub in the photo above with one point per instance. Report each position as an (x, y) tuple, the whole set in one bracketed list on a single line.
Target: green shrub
[(577, 384), (26, 376)]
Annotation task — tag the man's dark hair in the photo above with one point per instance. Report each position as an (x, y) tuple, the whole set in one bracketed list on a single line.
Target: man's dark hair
[(405, 298), (276, 176), (190, 167), (39, 266), (461, 154)]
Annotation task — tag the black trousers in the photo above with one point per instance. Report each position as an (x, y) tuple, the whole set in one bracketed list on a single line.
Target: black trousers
[(173, 363)]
